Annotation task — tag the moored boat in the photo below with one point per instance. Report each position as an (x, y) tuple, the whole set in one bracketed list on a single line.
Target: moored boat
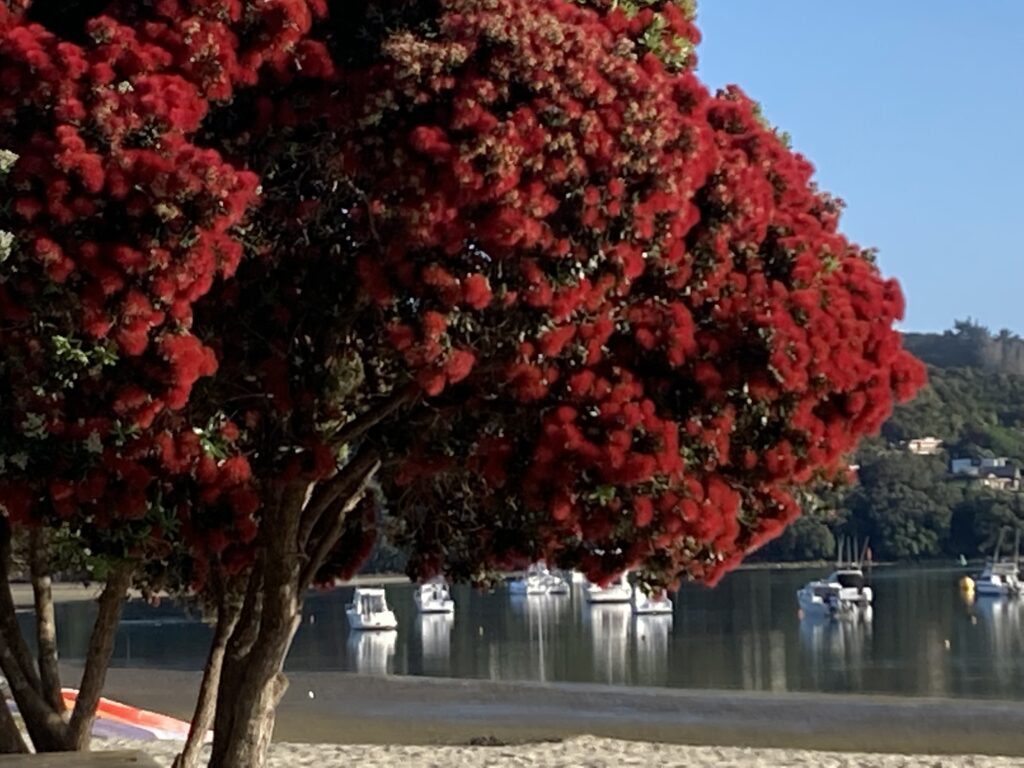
[(434, 597), (369, 610), (617, 591), (650, 605)]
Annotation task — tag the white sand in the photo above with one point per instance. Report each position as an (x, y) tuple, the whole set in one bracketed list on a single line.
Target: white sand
[(581, 752)]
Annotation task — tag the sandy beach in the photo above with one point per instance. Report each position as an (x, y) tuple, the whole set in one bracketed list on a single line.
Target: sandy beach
[(588, 751), (350, 709)]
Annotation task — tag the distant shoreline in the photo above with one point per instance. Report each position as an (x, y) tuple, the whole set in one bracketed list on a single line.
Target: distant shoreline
[(69, 592)]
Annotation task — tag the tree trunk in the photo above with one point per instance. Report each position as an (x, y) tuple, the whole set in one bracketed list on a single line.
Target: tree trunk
[(10, 737), (202, 719), (46, 623), (297, 531), (97, 660), (45, 726), (252, 680)]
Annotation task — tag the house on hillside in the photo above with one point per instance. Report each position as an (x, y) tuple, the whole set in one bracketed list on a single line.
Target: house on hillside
[(997, 473), (1000, 478), (924, 446)]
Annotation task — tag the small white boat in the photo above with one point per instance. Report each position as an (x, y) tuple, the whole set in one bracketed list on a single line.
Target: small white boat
[(537, 581), (1001, 576), (618, 591), (648, 605), (557, 584), (369, 610), (578, 577), (842, 592), (819, 598), (434, 597)]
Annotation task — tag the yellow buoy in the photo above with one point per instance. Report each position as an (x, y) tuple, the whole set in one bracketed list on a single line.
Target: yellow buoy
[(967, 584)]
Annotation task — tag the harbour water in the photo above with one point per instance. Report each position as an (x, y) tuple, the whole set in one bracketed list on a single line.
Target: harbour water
[(922, 639)]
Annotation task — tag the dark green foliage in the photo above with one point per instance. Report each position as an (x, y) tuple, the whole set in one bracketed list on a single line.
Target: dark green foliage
[(904, 503)]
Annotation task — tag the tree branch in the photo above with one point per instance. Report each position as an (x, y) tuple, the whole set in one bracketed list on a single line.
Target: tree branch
[(101, 646), (11, 741), (202, 718), (344, 482), (46, 622), (327, 541), (367, 420), (9, 628), (247, 623)]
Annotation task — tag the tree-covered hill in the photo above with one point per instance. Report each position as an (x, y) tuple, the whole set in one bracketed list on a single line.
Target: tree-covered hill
[(909, 505)]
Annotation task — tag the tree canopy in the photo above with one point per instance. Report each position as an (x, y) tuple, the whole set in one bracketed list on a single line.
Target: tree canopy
[(505, 265)]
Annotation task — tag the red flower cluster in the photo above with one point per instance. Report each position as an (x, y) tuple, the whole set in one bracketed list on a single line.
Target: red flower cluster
[(684, 334), (122, 223), (632, 323)]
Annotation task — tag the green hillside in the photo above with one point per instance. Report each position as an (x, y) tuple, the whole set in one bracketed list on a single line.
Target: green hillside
[(909, 505)]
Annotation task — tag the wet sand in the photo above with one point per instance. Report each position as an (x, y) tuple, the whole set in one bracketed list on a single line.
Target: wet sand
[(586, 751), (353, 709)]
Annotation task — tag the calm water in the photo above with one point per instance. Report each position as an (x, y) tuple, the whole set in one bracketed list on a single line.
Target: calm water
[(745, 634)]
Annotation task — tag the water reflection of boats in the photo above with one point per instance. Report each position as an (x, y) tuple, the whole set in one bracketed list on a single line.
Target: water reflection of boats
[(842, 639), (371, 652), (435, 636), (1004, 622), (652, 635), (609, 634), (544, 615)]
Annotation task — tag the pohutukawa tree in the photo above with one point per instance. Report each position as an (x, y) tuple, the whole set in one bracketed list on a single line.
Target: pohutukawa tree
[(504, 265)]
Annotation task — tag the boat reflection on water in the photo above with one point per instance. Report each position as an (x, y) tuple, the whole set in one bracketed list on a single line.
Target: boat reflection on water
[(837, 646), (652, 635), (436, 641), (544, 614), (373, 653), (609, 635), (1003, 619)]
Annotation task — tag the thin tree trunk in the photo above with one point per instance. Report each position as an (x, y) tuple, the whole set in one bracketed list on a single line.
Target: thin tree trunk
[(202, 719), (97, 660), (46, 622), (45, 726), (252, 680), (11, 741)]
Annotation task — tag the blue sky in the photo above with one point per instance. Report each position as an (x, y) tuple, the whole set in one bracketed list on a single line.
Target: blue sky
[(913, 113)]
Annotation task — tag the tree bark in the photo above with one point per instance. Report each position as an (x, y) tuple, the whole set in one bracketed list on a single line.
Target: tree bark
[(202, 719), (45, 726), (97, 660), (252, 681), (295, 537), (11, 741), (46, 622)]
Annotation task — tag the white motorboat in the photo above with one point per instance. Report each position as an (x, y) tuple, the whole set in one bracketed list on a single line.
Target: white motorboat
[(369, 610), (557, 584), (537, 581), (578, 578), (1001, 576), (842, 592), (618, 591), (648, 605), (434, 597)]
